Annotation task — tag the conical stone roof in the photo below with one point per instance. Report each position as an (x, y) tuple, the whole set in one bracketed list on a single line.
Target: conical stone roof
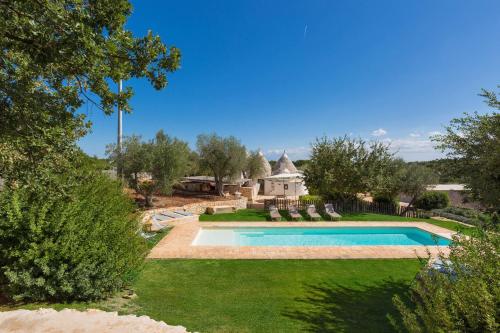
[(266, 167), (284, 165)]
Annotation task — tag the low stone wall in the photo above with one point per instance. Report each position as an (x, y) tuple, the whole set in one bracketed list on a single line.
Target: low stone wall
[(250, 192), (197, 208)]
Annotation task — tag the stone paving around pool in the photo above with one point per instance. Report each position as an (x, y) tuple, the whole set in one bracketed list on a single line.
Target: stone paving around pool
[(177, 244)]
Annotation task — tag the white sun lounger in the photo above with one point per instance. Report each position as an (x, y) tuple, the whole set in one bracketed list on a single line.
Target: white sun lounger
[(312, 213), (330, 211), (183, 213), (294, 213), (275, 214)]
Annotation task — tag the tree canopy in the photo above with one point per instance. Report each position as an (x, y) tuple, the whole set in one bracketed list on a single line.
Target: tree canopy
[(474, 142), (164, 159), (225, 157), (56, 55), (342, 167)]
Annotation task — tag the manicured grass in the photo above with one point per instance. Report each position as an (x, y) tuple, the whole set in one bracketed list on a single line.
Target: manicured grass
[(262, 215), (240, 215), (151, 242), (259, 215), (263, 295), (274, 295), (469, 231), (378, 217)]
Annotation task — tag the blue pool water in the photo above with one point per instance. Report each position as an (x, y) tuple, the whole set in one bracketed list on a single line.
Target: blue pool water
[(305, 236)]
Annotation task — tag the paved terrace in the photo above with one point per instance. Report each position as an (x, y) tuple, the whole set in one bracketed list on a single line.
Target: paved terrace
[(177, 244)]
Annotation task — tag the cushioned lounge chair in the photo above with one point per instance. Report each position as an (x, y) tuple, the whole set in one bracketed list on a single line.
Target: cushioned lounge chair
[(331, 213), (294, 213), (312, 213), (275, 214)]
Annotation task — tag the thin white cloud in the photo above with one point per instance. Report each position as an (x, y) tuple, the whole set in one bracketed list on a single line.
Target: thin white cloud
[(379, 132), (410, 148), (432, 133), (414, 135), (414, 149)]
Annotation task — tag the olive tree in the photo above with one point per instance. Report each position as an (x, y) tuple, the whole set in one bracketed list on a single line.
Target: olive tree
[(415, 179), (224, 157), (473, 141), (343, 167), (254, 167), (164, 159)]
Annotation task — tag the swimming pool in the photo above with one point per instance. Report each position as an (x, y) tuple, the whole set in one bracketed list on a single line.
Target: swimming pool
[(313, 236)]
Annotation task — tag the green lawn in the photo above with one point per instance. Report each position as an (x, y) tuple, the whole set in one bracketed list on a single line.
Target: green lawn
[(469, 231), (240, 215), (274, 295), (262, 215), (151, 242), (264, 295)]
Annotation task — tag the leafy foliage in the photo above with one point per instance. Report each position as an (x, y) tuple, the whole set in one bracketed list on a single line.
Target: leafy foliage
[(432, 200), (165, 159), (415, 179), (469, 216), (474, 141), (56, 55), (445, 168), (254, 167), (224, 157), (386, 182), (342, 167), (464, 296), (78, 245)]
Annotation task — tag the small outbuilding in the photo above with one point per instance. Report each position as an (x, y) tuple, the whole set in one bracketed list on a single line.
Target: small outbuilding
[(285, 179)]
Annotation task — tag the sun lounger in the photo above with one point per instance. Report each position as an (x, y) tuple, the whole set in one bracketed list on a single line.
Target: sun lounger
[(161, 217), (275, 214), (294, 213), (183, 213), (312, 213), (332, 214), (172, 215), (158, 222)]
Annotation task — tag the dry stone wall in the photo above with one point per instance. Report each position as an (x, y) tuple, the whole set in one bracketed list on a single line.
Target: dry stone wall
[(197, 208)]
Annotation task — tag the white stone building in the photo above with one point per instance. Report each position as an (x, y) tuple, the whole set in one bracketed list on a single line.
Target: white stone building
[(285, 179)]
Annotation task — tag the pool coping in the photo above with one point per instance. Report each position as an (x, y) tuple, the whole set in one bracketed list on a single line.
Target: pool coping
[(177, 244)]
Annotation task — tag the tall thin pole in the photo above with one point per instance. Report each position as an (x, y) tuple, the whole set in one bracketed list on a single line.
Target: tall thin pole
[(120, 129), (119, 144)]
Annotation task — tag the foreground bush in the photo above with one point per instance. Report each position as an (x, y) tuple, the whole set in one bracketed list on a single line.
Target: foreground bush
[(461, 297), (432, 200), (78, 242)]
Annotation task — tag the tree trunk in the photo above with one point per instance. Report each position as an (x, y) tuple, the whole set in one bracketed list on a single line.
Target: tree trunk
[(136, 182), (403, 212), (149, 200), (219, 186)]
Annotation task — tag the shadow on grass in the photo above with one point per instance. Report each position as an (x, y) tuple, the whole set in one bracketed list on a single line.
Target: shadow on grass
[(335, 308)]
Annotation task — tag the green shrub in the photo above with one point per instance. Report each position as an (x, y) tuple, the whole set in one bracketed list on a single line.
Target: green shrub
[(466, 215), (460, 296), (310, 197), (384, 199), (432, 200), (76, 242)]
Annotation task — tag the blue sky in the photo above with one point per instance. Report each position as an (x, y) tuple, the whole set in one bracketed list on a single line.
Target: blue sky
[(278, 74)]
